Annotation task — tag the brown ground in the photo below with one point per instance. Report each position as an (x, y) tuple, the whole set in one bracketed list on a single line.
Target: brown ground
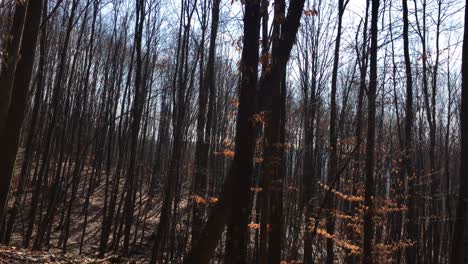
[(13, 255)]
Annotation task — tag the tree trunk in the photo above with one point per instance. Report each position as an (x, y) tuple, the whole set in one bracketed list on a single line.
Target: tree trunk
[(459, 252), (203, 127), (333, 158), (370, 157), (7, 76), (411, 224), (239, 177), (8, 67)]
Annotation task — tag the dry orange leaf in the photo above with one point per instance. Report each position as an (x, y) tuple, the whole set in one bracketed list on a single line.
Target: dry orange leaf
[(253, 225)]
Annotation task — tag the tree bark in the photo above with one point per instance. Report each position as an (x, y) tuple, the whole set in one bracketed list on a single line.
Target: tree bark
[(239, 177), (370, 157), (207, 85), (7, 76), (459, 251), (333, 157), (411, 224)]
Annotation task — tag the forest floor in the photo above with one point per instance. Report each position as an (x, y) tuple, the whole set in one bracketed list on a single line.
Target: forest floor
[(141, 241), (13, 255)]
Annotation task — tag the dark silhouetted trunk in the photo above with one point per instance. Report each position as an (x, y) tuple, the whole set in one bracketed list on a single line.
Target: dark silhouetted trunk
[(7, 76), (369, 188), (239, 177), (459, 251)]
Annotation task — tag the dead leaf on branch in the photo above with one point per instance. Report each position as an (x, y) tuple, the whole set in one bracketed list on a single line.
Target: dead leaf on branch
[(311, 12)]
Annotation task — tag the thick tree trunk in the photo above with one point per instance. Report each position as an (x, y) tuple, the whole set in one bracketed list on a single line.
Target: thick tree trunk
[(239, 177), (370, 157), (31, 139), (411, 224), (8, 67), (7, 76), (459, 252)]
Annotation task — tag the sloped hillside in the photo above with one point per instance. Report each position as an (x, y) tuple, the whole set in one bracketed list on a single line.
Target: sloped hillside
[(13, 255)]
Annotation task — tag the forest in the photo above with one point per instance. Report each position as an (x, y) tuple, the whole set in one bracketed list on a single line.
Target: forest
[(234, 131)]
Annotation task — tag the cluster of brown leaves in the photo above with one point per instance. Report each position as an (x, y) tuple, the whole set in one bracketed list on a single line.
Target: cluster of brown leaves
[(256, 189), (257, 226), (228, 143), (385, 209), (353, 249), (200, 200), (311, 12), (349, 229), (227, 153), (265, 59), (259, 118), (253, 226), (393, 247), (234, 102), (346, 197)]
